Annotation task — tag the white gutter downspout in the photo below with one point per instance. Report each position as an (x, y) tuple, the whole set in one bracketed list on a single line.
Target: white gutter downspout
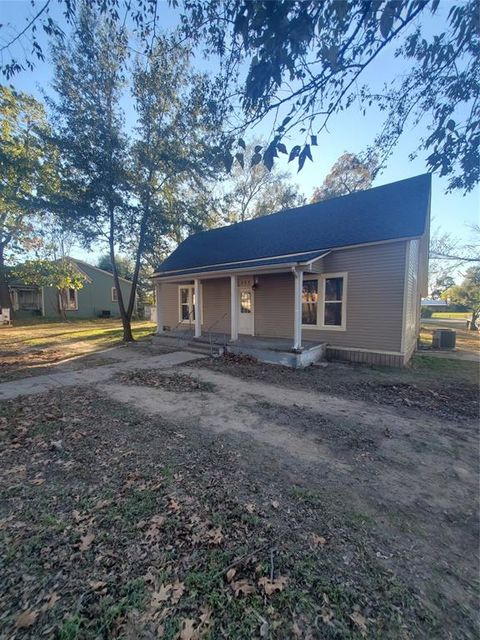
[(297, 310)]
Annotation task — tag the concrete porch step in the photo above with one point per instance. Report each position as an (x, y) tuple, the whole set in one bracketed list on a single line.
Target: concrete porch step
[(185, 344)]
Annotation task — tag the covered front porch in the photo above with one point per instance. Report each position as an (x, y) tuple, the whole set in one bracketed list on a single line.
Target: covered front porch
[(255, 310)]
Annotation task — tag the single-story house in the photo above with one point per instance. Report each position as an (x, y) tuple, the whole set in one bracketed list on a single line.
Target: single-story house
[(97, 297), (343, 277)]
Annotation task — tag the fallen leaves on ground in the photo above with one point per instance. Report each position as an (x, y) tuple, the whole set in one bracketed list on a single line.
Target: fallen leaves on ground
[(272, 586), (26, 619), (86, 541), (242, 587), (157, 378)]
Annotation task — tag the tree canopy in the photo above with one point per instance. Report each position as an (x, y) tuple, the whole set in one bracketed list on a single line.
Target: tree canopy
[(467, 293), (308, 61), (27, 172), (348, 174), (255, 191)]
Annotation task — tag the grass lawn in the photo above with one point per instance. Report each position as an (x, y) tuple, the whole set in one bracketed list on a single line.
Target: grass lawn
[(467, 341), (27, 347), (451, 315)]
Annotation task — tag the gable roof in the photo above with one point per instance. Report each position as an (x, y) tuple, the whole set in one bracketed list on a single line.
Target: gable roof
[(393, 211)]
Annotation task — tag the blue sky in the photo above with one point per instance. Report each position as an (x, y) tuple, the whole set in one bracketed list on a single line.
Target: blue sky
[(348, 131)]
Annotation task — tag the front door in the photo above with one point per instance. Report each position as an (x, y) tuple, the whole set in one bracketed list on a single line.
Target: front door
[(245, 310)]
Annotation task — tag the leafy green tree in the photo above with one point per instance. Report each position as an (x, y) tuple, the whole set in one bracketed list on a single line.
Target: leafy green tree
[(124, 264), (255, 191), (467, 294), (306, 61), (27, 172), (89, 82), (173, 155), (348, 174), (59, 274)]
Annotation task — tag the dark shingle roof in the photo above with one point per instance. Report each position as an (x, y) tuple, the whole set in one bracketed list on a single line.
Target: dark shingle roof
[(396, 210)]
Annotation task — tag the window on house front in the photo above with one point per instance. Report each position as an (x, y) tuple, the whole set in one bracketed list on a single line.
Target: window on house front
[(187, 304), (69, 299), (114, 294), (323, 302), (309, 302), (245, 302)]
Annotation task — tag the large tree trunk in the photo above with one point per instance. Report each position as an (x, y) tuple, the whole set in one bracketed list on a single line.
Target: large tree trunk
[(474, 321), (126, 318), (5, 300)]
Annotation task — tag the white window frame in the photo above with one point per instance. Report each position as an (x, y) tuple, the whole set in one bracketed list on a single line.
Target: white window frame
[(114, 294), (191, 287), (75, 308), (321, 280)]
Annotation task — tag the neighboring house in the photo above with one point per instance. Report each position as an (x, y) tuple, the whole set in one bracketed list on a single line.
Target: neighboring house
[(347, 273), (97, 297)]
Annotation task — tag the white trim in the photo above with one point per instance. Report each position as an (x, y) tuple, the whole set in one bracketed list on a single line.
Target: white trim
[(159, 274), (405, 295), (158, 307), (198, 305), (233, 308), (386, 353), (321, 278), (297, 310), (198, 309), (252, 313)]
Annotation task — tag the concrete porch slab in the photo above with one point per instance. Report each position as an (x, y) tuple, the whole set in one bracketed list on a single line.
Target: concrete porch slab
[(264, 349)]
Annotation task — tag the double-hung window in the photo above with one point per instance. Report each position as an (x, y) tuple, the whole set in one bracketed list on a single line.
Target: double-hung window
[(186, 303), (324, 302), (68, 299)]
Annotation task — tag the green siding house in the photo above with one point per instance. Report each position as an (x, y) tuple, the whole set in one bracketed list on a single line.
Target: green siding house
[(96, 299)]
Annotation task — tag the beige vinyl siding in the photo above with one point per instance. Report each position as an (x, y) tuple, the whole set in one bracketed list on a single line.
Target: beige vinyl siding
[(374, 303), (168, 304), (216, 303), (274, 305)]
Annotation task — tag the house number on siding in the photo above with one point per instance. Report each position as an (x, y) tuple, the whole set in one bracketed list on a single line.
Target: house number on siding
[(245, 282)]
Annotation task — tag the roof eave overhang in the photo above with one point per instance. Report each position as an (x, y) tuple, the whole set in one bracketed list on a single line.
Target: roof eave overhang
[(275, 268)]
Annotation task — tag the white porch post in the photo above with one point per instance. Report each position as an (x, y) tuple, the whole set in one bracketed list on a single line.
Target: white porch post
[(198, 308), (158, 306), (233, 309), (297, 315)]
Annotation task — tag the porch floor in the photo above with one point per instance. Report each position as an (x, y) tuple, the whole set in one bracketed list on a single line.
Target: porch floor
[(259, 342), (264, 349)]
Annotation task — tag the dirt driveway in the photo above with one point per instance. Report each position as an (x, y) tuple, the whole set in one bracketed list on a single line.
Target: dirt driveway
[(234, 500)]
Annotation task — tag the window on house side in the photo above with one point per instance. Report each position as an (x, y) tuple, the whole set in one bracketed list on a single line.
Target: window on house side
[(333, 302), (114, 294), (323, 302)]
